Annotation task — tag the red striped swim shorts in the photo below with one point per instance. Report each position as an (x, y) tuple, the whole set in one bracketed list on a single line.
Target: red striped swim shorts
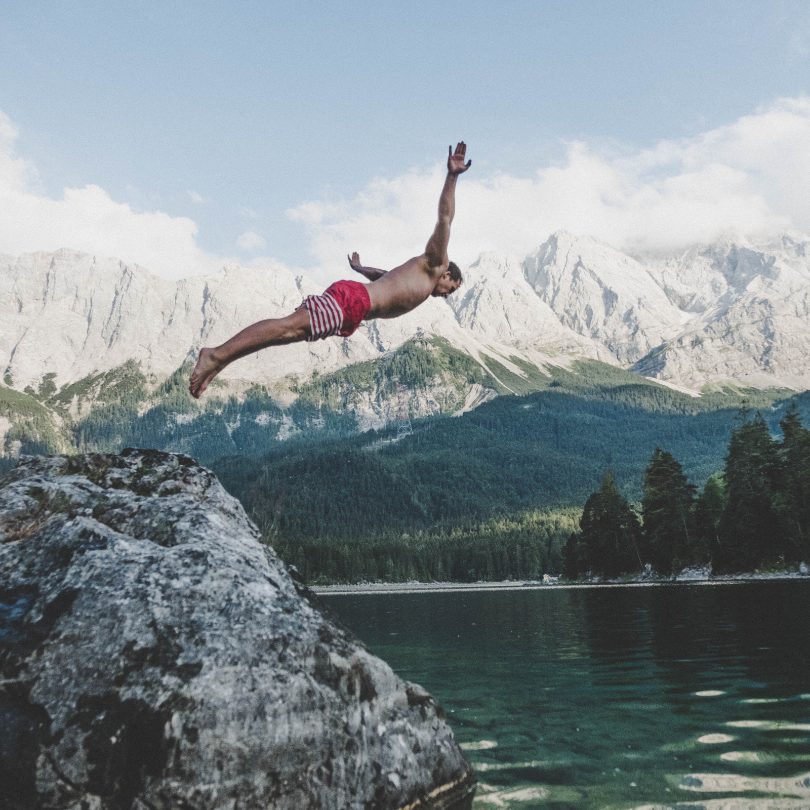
[(339, 310)]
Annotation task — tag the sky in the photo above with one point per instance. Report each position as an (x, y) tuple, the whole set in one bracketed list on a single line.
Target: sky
[(187, 135)]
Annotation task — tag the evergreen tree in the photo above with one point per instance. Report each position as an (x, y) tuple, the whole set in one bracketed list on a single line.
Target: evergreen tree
[(750, 531), (708, 511), (666, 512), (572, 562), (611, 533), (793, 496)]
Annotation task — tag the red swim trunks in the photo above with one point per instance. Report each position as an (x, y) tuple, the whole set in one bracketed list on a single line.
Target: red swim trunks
[(339, 310)]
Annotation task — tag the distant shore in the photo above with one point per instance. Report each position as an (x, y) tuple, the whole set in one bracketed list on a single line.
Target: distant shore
[(361, 588)]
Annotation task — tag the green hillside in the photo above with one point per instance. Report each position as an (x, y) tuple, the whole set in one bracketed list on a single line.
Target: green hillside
[(346, 505), (29, 427), (491, 492)]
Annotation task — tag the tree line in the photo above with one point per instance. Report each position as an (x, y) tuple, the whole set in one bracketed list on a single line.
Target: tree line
[(458, 498), (521, 547), (454, 500), (753, 515)]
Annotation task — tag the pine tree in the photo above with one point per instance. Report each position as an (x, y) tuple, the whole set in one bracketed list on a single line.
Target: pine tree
[(750, 532), (708, 511), (572, 566), (793, 496), (611, 533), (666, 512)]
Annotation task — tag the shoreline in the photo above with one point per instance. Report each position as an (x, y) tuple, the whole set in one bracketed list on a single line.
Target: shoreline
[(371, 588)]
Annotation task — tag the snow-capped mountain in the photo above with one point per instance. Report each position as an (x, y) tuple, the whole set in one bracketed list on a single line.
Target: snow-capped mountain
[(724, 312), (497, 303), (750, 316), (601, 293), (71, 314)]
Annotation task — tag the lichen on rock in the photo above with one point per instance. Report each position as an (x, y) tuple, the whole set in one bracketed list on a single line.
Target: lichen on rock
[(155, 654)]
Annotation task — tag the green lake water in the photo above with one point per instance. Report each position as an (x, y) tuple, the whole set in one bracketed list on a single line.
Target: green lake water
[(691, 696)]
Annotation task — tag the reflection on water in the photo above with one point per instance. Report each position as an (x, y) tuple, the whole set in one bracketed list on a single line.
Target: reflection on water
[(715, 739), (683, 696)]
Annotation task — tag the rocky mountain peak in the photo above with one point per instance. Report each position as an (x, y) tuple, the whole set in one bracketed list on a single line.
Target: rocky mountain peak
[(73, 315)]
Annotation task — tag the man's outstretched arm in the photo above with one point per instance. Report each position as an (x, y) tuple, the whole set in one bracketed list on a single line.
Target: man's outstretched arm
[(436, 250), (371, 273)]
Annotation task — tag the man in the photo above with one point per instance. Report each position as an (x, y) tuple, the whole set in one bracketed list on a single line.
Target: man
[(344, 305)]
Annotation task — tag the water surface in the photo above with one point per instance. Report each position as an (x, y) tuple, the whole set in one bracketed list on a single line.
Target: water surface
[(687, 695)]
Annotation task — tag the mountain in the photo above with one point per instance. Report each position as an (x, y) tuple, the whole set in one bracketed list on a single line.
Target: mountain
[(603, 294), (69, 316), (750, 308), (81, 332)]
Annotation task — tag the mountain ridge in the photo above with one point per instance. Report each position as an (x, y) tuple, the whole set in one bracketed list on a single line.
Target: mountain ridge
[(728, 313)]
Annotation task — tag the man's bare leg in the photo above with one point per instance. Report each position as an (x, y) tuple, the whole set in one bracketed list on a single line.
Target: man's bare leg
[(260, 335)]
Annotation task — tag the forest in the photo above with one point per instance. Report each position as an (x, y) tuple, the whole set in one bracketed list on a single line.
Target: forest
[(494, 493), (498, 493), (754, 515)]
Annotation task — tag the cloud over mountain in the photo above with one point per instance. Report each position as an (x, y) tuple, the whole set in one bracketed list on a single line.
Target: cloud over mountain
[(746, 179), (743, 180), (90, 220)]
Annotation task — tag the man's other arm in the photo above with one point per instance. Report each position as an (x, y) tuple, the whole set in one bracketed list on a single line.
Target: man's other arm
[(371, 273)]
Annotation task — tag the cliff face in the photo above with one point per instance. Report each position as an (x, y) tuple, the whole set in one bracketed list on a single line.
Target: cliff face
[(154, 654)]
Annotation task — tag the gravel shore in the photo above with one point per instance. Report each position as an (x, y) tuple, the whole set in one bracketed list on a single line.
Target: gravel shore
[(361, 588)]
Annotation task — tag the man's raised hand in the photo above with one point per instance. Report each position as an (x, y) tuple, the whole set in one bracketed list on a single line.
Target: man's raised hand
[(455, 160), (354, 261)]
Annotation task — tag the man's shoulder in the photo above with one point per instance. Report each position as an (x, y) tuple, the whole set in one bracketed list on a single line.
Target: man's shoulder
[(417, 263)]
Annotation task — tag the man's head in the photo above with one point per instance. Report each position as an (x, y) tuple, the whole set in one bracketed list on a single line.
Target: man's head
[(449, 281)]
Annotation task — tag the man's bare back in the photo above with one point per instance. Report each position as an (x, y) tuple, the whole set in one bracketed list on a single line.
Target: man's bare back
[(341, 308), (402, 289)]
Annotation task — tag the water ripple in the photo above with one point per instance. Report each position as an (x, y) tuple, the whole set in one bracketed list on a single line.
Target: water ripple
[(769, 725), (731, 804), (478, 745), (757, 757), (716, 739), (507, 798), (798, 786)]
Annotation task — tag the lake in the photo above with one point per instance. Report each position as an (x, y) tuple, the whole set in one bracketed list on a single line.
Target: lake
[(663, 696)]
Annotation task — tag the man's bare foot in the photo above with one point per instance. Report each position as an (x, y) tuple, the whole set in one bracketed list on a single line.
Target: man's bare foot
[(206, 369)]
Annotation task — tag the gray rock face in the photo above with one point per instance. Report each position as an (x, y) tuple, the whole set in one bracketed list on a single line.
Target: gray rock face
[(154, 654)]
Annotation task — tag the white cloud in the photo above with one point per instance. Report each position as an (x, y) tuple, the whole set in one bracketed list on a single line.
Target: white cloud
[(251, 242), (89, 219), (196, 197), (748, 178)]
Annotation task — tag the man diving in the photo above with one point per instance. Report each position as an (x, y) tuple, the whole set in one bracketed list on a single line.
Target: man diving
[(345, 304)]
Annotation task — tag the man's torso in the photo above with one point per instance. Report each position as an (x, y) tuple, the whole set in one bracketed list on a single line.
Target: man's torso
[(402, 289)]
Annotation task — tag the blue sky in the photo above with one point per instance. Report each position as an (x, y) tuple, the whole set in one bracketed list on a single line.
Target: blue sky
[(297, 131)]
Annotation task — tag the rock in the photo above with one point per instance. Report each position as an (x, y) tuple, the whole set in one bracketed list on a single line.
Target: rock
[(154, 654)]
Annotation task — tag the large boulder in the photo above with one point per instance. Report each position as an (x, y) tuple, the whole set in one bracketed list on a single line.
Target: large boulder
[(154, 654)]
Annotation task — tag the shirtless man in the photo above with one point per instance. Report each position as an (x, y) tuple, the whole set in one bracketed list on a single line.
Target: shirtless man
[(345, 304)]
